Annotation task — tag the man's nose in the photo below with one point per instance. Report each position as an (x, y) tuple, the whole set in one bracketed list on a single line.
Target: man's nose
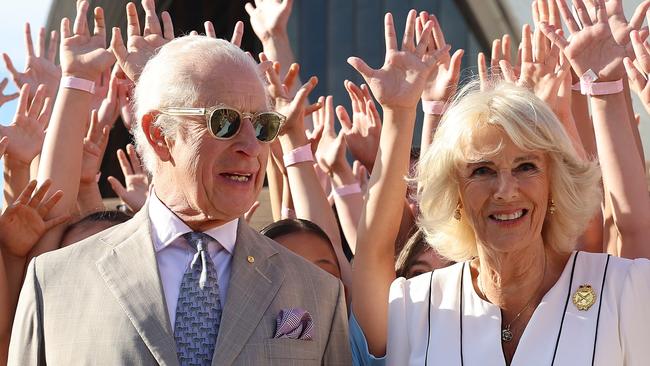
[(247, 142)]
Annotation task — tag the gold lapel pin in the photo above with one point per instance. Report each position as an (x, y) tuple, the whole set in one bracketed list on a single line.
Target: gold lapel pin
[(250, 259), (584, 297)]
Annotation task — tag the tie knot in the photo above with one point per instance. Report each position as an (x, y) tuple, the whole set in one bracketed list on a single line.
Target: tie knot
[(198, 240)]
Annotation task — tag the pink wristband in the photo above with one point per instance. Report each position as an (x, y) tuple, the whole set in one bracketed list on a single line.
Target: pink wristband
[(589, 86), (433, 107), (72, 82), (347, 190), (298, 155)]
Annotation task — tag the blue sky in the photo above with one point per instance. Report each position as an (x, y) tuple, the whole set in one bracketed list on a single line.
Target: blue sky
[(12, 23)]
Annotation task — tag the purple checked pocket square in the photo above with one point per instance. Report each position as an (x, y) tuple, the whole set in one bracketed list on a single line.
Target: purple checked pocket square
[(294, 323)]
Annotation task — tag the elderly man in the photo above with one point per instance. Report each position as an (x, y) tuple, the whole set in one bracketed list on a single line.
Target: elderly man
[(187, 281)]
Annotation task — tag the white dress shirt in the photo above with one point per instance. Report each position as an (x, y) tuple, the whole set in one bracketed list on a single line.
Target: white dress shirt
[(174, 254)]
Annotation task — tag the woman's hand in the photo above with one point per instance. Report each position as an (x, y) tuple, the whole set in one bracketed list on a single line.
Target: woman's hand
[(94, 147), (269, 17), (84, 55), (23, 222), (638, 71), (40, 67), (591, 48), (27, 131), (141, 46), (363, 130), (134, 195), (399, 83)]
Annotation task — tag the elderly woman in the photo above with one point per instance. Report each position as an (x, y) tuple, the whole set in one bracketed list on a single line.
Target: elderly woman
[(503, 193)]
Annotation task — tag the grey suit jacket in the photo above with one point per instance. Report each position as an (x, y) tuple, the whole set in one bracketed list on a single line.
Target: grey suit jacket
[(101, 302)]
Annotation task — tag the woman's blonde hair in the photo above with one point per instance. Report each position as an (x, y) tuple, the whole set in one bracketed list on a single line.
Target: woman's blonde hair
[(532, 126)]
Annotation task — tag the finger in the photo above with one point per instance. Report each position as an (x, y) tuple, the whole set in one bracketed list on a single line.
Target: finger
[(23, 101), (409, 31), (49, 224), (237, 34), (506, 43), (583, 13), (26, 194), (46, 113), (366, 92), (438, 35), (312, 108), (389, 34), (642, 56), (482, 70), (132, 21), (543, 10), (454, 66), (639, 14), (344, 118), (151, 22), (419, 25), (272, 75), (125, 164), (262, 57), (496, 55), (361, 67), (329, 113), (80, 22), (209, 29), (117, 187), (540, 48), (49, 203), (3, 84), (319, 116), (10, 66), (637, 79), (249, 214), (194, 33), (554, 14), (54, 46), (526, 44), (373, 113), (567, 16), (136, 165), (65, 28), (250, 9), (100, 25), (37, 197), (555, 38), (600, 9), (41, 42), (426, 40), (291, 76), (168, 26), (29, 44), (303, 92), (535, 11), (507, 71), (37, 103), (117, 47), (356, 96)]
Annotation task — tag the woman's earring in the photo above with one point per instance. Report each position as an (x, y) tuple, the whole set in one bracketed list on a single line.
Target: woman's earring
[(457, 215), (551, 207)]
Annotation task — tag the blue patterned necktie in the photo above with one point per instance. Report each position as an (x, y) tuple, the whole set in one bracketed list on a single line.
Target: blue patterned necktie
[(198, 311)]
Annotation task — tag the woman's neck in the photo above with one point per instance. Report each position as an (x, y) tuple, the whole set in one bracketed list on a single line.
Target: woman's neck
[(512, 279)]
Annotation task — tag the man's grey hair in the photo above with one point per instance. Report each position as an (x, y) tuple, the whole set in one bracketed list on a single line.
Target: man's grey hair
[(169, 79)]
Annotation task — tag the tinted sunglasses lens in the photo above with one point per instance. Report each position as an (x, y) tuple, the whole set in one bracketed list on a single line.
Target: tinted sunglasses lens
[(224, 123), (267, 126)]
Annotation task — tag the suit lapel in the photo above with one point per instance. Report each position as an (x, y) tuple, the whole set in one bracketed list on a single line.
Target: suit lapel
[(251, 289), (130, 271)]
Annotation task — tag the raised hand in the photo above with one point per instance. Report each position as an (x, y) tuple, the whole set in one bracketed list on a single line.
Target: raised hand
[(638, 71), (237, 33), (363, 130), (94, 147), (399, 83), (620, 26), (443, 80), (27, 131), (140, 47), (23, 222), (106, 99), (541, 70), (269, 17), (84, 55), (40, 67), (134, 195), (592, 47), (325, 117)]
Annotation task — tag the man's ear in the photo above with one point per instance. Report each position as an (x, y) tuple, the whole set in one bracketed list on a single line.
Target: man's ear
[(155, 137)]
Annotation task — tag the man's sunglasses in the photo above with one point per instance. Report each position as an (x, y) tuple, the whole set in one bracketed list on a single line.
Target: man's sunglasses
[(224, 122)]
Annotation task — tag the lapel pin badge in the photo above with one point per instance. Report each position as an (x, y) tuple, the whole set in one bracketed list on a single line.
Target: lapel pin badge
[(250, 259), (584, 297)]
